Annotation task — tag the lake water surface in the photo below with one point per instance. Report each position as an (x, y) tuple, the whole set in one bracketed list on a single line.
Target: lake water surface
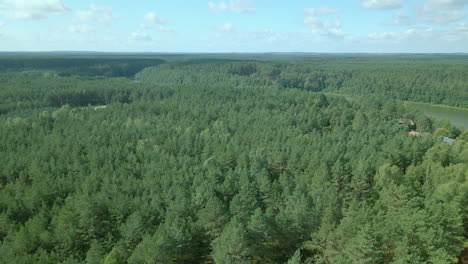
[(456, 115)]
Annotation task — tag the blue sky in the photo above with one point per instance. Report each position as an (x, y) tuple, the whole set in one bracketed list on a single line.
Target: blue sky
[(235, 25)]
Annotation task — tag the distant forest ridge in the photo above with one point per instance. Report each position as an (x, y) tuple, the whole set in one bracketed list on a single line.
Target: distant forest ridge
[(83, 66), (430, 78)]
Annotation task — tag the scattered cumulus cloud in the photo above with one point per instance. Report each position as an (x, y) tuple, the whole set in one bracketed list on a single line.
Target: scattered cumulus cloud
[(31, 9), (262, 38), (80, 29), (140, 36), (382, 35), (320, 11), (235, 6), (154, 22), (381, 4), (220, 7), (267, 35), (97, 14), (452, 4), (159, 28), (442, 23), (396, 37), (165, 29), (85, 15), (152, 18), (454, 33), (442, 11), (461, 31), (226, 28), (316, 18), (400, 19)]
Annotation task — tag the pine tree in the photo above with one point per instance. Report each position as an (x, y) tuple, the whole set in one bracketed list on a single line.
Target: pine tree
[(233, 245)]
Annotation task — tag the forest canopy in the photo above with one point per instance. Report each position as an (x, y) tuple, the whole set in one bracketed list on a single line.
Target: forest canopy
[(228, 160)]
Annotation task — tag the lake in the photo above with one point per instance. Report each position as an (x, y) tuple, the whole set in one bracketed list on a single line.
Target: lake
[(456, 115)]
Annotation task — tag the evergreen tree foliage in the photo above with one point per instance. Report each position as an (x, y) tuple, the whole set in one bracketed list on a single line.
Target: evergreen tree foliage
[(222, 160)]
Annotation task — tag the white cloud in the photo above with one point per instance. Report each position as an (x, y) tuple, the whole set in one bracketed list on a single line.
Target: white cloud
[(81, 29), (2, 24), (165, 29), (267, 35), (314, 18), (461, 28), (251, 40), (398, 36), (152, 18), (382, 36), (221, 7), (154, 22), (85, 15), (458, 32), (319, 11), (140, 36), (104, 13), (441, 36), (442, 11), (31, 9), (381, 4), (236, 6), (97, 14), (226, 28), (400, 19), (447, 3)]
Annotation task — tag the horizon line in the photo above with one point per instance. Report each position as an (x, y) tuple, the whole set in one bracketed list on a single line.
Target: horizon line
[(230, 52)]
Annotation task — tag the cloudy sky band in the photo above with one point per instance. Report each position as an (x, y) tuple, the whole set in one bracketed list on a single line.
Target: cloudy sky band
[(235, 25)]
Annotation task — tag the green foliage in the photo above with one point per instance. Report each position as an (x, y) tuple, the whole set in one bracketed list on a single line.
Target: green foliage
[(112, 66), (95, 254), (227, 161), (233, 244), (463, 135), (296, 258), (442, 132), (116, 256)]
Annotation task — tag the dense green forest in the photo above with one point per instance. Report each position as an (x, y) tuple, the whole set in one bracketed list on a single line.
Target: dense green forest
[(232, 160), (438, 82), (84, 66), (433, 79)]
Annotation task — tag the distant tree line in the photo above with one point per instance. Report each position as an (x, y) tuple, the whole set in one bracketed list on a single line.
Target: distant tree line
[(438, 82), (92, 66)]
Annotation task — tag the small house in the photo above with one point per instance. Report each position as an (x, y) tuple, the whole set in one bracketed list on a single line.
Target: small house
[(448, 140)]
